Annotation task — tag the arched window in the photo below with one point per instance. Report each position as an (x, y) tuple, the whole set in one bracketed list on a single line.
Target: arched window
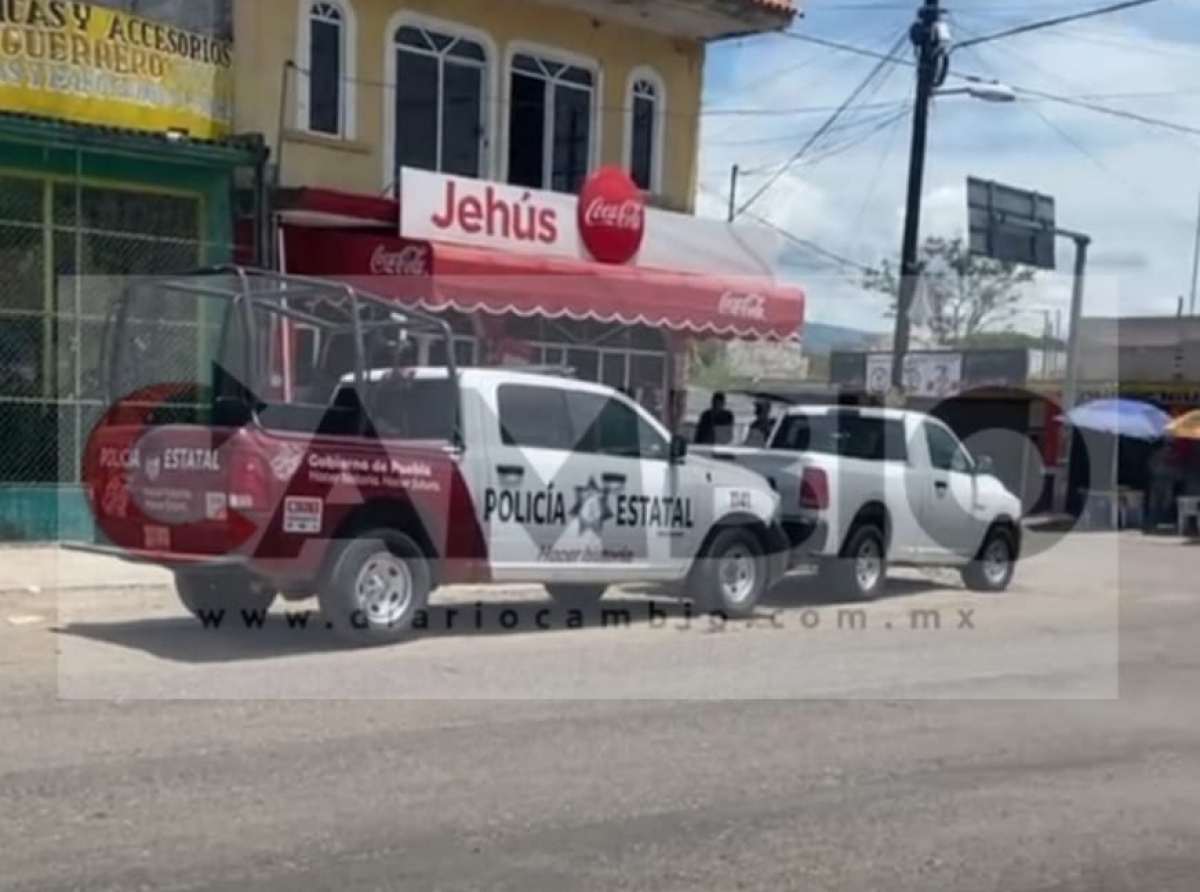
[(552, 121), (441, 96), (326, 62), (644, 129)]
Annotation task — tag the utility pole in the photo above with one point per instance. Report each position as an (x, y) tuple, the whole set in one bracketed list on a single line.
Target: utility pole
[(733, 178), (1071, 382), (1195, 267), (928, 38)]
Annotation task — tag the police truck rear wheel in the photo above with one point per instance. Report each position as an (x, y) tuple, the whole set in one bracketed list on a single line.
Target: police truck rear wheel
[(731, 576), (378, 584), (206, 593), (576, 597)]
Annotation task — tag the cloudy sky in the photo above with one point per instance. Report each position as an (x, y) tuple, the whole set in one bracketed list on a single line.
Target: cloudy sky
[(1134, 188)]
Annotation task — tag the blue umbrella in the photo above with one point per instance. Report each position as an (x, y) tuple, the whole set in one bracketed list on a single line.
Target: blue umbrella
[(1122, 418)]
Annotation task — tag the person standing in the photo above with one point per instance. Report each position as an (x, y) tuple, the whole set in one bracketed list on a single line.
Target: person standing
[(1161, 486), (715, 427), (762, 425)]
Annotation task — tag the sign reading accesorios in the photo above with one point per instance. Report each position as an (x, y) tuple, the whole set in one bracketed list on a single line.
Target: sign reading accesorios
[(95, 65)]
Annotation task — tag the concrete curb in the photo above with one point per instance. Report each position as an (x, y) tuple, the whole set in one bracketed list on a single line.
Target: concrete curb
[(48, 591)]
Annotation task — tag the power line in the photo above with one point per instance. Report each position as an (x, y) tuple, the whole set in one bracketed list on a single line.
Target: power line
[(1077, 145), (874, 72), (790, 112), (833, 151), (875, 177), (1027, 91), (1158, 47), (805, 244), (884, 111), (1053, 22), (1107, 110), (772, 77), (895, 103)]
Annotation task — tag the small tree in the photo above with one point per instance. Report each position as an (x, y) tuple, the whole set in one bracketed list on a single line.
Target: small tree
[(965, 294)]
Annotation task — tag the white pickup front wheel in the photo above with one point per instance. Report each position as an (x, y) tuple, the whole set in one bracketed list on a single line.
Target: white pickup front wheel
[(993, 568)]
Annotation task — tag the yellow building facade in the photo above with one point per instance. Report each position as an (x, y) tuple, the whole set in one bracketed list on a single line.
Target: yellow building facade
[(628, 77)]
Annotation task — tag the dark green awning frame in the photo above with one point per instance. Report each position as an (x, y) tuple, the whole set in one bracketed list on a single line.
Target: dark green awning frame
[(235, 151)]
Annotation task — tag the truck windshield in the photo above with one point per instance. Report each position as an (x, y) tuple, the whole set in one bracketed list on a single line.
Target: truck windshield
[(845, 434)]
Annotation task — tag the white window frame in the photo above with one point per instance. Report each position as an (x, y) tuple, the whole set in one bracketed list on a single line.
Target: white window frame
[(347, 77), (564, 57), (405, 18), (659, 129)]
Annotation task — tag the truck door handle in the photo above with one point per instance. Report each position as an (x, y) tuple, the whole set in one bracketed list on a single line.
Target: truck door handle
[(940, 485), (510, 470), (613, 478)]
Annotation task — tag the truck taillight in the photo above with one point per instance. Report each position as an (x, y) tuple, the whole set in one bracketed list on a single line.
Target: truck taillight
[(249, 485), (814, 489)]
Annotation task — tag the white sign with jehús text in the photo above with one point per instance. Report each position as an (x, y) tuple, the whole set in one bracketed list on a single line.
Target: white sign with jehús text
[(440, 208)]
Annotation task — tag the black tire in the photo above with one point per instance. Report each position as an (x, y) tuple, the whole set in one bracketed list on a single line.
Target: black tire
[(380, 609), (983, 574), (576, 597), (715, 592), (207, 593), (841, 575)]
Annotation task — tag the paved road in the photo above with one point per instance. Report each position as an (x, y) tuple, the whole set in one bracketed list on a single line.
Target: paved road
[(993, 774)]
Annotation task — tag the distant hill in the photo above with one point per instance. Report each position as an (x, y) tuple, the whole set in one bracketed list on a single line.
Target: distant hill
[(821, 339)]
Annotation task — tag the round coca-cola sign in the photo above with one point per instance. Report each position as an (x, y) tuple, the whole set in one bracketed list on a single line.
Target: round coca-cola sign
[(611, 216)]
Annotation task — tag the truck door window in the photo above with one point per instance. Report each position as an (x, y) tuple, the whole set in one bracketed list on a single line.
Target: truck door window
[(610, 426), (945, 452), (534, 417)]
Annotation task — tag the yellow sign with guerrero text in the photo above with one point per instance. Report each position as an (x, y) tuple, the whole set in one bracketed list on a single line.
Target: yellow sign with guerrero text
[(94, 65)]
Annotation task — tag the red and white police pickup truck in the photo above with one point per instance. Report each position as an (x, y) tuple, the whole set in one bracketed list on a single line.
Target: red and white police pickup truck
[(370, 492)]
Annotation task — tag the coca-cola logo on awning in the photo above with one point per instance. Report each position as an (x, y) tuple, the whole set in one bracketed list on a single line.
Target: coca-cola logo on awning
[(409, 260), (611, 216), (743, 306)]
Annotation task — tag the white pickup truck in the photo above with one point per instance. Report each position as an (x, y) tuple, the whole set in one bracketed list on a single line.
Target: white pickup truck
[(863, 488)]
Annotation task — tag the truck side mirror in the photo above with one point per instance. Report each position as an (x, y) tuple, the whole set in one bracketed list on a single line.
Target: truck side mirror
[(679, 448)]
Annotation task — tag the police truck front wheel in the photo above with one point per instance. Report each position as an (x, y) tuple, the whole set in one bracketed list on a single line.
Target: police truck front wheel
[(377, 585), (208, 593), (731, 576)]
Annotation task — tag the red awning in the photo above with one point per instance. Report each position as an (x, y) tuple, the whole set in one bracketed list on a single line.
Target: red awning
[(444, 276)]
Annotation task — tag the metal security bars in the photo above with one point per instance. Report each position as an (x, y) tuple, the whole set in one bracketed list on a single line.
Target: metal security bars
[(65, 244)]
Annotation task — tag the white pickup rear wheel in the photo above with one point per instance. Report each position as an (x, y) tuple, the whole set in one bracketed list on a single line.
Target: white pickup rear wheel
[(860, 570)]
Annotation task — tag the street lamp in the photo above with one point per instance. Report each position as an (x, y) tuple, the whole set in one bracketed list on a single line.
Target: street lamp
[(987, 91)]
